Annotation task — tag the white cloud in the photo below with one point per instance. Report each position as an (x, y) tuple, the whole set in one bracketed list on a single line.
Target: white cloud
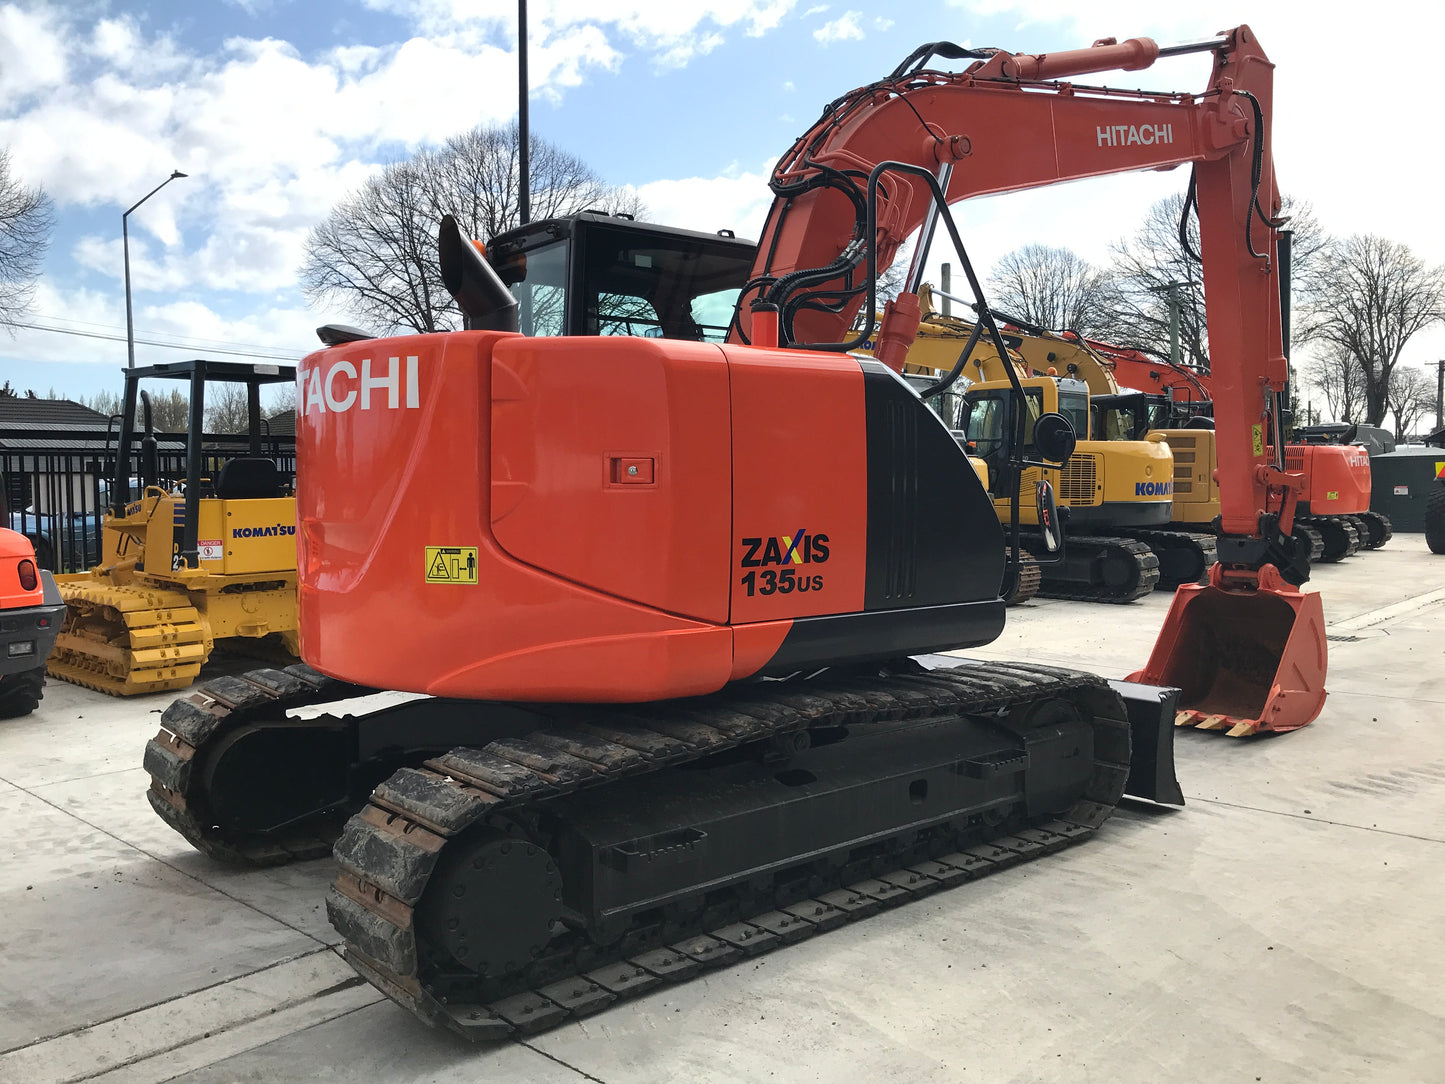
[(883, 24), (34, 54), (816, 9), (738, 202), (843, 28)]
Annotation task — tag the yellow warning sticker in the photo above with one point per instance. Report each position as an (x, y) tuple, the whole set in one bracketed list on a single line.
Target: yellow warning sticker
[(451, 564), (1332, 495), (1258, 432)]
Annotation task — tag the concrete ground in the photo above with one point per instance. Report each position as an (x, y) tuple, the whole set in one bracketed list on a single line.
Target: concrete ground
[(1287, 925)]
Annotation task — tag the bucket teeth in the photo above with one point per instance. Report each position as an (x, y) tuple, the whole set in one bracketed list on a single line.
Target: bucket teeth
[(1233, 728)]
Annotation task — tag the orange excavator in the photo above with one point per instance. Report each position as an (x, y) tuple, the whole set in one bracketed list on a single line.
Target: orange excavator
[(672, 598), (1333, 508)]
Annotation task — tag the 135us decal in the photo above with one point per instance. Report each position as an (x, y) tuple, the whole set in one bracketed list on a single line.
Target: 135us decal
[(786, 552)]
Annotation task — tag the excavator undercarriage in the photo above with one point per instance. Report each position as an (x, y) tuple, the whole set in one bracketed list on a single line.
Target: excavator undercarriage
[(591, 852)]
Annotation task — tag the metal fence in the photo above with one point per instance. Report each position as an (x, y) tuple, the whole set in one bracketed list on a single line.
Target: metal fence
[(57, 487)]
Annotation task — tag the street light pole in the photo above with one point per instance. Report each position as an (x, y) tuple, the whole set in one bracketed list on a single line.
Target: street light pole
[(524, 129), (125, 246)]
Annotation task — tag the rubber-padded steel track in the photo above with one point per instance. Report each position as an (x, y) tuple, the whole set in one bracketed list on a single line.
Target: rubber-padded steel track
[(1184, 556), (389, 852), (212, 711), (1137, 563)]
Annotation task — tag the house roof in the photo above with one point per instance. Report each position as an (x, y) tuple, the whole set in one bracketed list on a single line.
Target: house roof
[(49, 413), (282, 424)]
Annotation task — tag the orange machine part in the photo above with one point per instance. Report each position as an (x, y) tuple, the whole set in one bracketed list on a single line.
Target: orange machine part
[(563, 575), (1246, 659), (14, 548), (1337, 477)]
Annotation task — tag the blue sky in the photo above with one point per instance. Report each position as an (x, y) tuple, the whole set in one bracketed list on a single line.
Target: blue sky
[(278, 108)]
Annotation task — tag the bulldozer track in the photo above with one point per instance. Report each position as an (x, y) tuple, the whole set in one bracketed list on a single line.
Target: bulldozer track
[(129, 639), (1029, 579), (389, 852), (1184, 556), (212, 711), (1142, 564)]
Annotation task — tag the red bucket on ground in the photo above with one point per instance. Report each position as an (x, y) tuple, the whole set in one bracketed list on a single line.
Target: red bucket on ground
[(1247, 656)]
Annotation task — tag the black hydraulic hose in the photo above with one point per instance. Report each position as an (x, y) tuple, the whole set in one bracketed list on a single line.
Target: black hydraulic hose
[(1256, 178), (951, 377), (945, 49), (1191, 200)]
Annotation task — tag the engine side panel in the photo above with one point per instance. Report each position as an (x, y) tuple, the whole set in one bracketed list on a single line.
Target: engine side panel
[(393, 481), (610, 467)]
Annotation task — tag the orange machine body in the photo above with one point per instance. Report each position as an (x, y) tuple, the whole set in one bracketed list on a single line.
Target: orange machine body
[(591, 519), (1336, 477)]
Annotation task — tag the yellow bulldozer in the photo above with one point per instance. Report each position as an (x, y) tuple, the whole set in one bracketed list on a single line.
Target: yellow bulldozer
[(198, 545)]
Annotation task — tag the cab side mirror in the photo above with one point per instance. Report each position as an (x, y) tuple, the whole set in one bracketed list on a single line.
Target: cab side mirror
[(1054, 438), (1048, 511)]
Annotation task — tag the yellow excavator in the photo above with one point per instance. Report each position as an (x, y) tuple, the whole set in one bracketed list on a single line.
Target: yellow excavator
[(205, 553), (1116, 492)]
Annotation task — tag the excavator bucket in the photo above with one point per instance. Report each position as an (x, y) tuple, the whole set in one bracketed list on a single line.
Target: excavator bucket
[(1245, 660)]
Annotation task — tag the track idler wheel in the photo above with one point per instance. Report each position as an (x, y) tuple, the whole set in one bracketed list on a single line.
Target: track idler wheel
[(493, 905)]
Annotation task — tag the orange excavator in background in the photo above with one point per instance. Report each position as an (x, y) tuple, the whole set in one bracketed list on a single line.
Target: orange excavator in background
[(1334, 506), (669, 617)]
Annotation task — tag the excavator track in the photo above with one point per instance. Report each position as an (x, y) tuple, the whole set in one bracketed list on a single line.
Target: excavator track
[(1316, 540), (1184, 556), (1030, 579), (1119, 570), (1377, 526), (130, 639), (194, 727), (1375, 529), (1341, 539), (479, 821)]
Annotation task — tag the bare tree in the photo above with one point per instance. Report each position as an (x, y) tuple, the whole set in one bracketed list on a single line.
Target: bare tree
[(1339, 379), (1412, 396), (1053, 287), (171, 412), (26, 216), (283, 398), (226, 408), (375, 252), (1151, 269), (105, 402), (1369, 297)]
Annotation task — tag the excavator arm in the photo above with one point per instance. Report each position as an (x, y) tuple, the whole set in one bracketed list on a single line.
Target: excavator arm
[(874, 168)]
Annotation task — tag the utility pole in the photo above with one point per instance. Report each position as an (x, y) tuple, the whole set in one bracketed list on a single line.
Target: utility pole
[(524, 129), (1171, 289), (946, 285)]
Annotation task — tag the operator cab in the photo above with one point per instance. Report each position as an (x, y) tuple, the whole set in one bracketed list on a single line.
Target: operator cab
[(983, 416), (597, 274)]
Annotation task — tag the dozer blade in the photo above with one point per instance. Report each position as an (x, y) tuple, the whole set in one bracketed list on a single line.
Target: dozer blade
[(1246, 657), (1152, 713)]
